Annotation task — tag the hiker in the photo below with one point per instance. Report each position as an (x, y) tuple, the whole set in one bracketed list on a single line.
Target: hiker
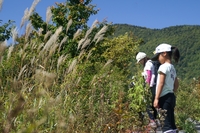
[(149, 77), (167, 84)]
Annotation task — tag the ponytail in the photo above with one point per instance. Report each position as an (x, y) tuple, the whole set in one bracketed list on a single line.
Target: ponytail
[(175, 54)]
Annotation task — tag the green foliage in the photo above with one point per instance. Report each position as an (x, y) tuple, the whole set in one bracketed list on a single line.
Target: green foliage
[(188, 111), (185, 37), (5, 30)]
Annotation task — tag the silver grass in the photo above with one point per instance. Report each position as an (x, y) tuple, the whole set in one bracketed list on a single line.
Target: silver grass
[(53, 49), (78, 32), (62, 42), (85, 44), (24, 55), (21, 51), (48, 15), (99, 38), (91, 28), (3, 46), (72, 65), (25, 46), (44, 77), (108, 62), (80, 43), (69, 24), (14, 33), (79, 79), (32, 61), (102, 31), (81, 53), (40, 47), (1, 3), (28, 31), (94, 24), (47, 35), (21, 71), (41, 67), (28, 12), (88, 32), (61, 59), (52, 39), (24, 18), (89, 54), (35, 2), (10, 49), (40, 31), (93, 79)]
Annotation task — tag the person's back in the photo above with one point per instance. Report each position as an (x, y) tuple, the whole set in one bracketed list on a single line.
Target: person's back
[(149, 79)]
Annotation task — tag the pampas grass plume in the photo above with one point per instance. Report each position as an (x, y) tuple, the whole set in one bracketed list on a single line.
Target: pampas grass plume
[(72, 65), (1, 3), (48, 15), (10, 49)]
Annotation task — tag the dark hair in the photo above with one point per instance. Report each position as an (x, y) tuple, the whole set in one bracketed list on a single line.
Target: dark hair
[(175, 53)]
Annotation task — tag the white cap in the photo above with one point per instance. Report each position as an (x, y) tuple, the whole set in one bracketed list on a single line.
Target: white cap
[(161, 48), (140, 56)]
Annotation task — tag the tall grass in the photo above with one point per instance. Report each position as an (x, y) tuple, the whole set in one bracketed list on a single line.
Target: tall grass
[(44, 90)]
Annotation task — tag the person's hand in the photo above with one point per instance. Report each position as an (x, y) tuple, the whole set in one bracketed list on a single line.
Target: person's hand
[(155, 103)]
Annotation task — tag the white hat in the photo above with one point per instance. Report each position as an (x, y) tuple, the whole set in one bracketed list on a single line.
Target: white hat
[(161, 48), (140, 56)]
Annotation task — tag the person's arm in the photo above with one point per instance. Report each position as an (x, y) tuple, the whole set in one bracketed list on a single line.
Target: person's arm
[(148, 79), (159, 89), (176, 84)]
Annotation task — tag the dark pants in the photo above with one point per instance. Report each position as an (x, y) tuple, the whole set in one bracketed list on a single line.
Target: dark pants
[(168, 103), (151, 107)]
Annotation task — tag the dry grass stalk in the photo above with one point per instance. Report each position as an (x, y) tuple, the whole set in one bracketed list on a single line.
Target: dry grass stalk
[(72, 65), (81, 53), (85, 44), (108, 62), (62, 42), (40, 31), (48, 15), (69, 24), (53, 39), (80, 43), (40, 47), (99, 38), (1, 3), (102, 31), (78, 32), (14, 33), (53, 49), (28, 12), (35, 2), (10, 50), (28, 31), (21, 71), (47, 35), (61, 59), (24, 18), (3, 46), (89, 54), (44, 77)]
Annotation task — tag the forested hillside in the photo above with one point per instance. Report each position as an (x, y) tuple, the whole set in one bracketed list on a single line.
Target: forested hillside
[(185, 37)]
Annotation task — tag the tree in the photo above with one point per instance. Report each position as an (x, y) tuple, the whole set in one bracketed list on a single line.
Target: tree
[(72, 16), (5, 30)]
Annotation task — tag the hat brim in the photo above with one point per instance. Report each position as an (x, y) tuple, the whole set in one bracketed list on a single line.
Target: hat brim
[(155, 57)]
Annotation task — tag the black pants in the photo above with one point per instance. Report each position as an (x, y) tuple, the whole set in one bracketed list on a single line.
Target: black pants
[(151, 107), (168, 103)]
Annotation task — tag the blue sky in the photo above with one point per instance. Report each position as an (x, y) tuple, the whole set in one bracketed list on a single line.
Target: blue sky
[(146, 13)]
